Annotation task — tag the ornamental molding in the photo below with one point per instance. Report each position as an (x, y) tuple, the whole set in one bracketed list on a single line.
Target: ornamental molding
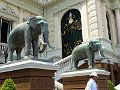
[(51, 2), (28, 5), (8, 10), (65, 5), (115, 4)]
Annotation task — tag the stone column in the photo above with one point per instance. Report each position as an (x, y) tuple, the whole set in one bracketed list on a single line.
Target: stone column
[(92, 19), (20, 15), (117, 14), (104, 22), (57, 30), (0, 27)]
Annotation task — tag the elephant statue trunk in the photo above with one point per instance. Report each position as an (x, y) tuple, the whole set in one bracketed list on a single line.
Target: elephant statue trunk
[(45, 40), (101, 54)]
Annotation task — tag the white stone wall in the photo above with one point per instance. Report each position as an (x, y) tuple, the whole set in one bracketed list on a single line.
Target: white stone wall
[(19, 10), (54, 14), (94, 23)]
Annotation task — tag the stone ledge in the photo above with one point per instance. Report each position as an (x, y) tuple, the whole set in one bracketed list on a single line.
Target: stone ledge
[(84, 73), (27, 64)]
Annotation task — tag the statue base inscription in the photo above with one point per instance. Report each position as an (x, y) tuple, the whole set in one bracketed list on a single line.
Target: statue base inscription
[(78, 79), (29, 75)]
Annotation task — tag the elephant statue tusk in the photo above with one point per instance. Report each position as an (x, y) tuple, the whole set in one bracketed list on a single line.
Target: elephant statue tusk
[(43, 42), (102, 55), (44, 46)]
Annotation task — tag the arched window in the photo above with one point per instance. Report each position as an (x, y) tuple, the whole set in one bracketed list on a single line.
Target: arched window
[(71, 31)]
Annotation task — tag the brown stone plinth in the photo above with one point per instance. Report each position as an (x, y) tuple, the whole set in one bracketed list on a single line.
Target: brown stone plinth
[(29, 74), (30, 79), (78, 82)]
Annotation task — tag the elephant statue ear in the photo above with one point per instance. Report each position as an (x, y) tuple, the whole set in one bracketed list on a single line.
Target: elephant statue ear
[(31, 20), (91, 44)]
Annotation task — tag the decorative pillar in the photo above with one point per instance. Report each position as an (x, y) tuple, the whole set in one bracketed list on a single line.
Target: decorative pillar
[(20, 15), (104, 22), (117, 14), (92, 19), (57, 30), (0, 27)]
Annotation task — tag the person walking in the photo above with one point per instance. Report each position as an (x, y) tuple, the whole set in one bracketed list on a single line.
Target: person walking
[(92, 82)]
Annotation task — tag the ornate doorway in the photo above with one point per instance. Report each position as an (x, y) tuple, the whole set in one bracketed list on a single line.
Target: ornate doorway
[(71, 31), (5, 28)]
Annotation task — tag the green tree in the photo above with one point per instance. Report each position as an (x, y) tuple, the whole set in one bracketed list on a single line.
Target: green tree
[(8, 85), (110, 85)]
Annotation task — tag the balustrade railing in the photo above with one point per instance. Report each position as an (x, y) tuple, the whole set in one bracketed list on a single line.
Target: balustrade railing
[(2, 47), (65, 65), (3, 52)]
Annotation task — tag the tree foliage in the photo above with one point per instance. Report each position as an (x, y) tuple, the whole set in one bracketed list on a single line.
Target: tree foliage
[(8, 85), (110, 85)]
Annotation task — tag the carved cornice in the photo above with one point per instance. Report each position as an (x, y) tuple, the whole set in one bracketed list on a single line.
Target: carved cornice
[(28, 5), (8, 10), (115, 4), (104, 0), (51, 2), (55, 1)]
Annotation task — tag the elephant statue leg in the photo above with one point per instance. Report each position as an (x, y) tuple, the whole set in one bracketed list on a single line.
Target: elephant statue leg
[(91, 59), (10, 56), (74, 61), (76, 64), (27, 51), (35, 48), (18, 54)]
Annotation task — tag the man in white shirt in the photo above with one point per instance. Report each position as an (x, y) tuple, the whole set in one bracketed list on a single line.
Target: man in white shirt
[(91, 84)]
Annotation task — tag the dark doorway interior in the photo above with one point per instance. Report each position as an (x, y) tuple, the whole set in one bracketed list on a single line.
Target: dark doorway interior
[(4, 30)]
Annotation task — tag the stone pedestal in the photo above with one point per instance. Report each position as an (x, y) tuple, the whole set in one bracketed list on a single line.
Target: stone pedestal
[(77, 80), (29, 75)]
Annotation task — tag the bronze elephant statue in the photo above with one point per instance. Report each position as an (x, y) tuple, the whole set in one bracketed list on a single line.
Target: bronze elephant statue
[(85, 51), (27, 34)]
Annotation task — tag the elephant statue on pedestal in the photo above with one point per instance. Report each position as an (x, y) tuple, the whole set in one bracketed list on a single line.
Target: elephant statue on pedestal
[(85, 51), (27, 34)]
